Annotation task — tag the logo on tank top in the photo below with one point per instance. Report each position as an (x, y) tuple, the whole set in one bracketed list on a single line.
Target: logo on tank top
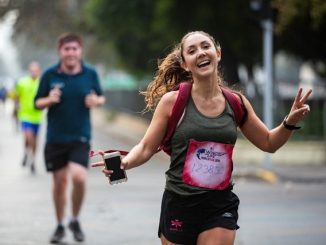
[(209, 154), (208, 164)]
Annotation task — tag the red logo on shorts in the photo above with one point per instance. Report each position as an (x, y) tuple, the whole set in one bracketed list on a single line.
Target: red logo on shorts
[(176, 225)]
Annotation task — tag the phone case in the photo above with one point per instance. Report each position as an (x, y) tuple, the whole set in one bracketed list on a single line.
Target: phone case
[(112, 162)]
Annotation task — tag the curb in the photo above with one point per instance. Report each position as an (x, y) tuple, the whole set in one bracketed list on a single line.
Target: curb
[(267, 176)]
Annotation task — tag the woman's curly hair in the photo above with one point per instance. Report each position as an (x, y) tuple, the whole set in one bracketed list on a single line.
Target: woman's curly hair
[(170, 73)]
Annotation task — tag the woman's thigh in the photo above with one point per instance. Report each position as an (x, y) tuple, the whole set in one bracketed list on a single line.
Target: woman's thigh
[(164, 241), (216, 236)]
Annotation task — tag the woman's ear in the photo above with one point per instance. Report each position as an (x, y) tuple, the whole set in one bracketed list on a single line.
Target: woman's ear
[(219, 54), (184, 66)]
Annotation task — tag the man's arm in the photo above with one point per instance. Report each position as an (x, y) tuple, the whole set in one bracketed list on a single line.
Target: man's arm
[(92, 100), (52, 98), (95, 97)]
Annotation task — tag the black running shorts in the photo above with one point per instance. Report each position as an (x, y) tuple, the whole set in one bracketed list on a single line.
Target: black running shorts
[(184, 218), (58, 155)]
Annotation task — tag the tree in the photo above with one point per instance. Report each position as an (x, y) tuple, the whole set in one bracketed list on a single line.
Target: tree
[(301, 30), (42, 21), (144, 30), (125, 25)]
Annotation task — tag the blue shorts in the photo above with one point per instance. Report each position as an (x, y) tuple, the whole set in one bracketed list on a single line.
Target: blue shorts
[(32, 127)]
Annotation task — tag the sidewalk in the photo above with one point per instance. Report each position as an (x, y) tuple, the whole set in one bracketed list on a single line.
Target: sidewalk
[(128, 214), (109, 215), (295, 161)]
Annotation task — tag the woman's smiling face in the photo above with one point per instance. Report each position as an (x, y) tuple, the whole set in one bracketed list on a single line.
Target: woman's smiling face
[(200, 54)]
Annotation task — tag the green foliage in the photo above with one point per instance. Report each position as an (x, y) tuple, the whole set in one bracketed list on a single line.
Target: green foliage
[(42, 21), (312, 127), (135, 33), (144, 30), (301, 29), (125, 24)]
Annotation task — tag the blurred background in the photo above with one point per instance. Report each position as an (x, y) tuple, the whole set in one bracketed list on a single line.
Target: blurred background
[(125, 40), (269, 50)]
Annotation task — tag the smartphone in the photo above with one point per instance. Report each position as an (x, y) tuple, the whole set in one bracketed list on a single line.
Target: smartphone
[(112, 162)]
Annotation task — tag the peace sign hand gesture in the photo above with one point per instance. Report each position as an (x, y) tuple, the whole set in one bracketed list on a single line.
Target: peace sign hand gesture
[(299, 109)]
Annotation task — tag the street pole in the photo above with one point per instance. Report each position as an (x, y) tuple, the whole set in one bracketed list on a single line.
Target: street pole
[(267, 25), (324, 124), (263, 9)]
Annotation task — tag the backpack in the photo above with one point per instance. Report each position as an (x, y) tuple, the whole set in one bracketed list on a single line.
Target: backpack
[(237, 106)]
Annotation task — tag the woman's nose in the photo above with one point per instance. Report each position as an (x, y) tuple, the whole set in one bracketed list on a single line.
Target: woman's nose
[(201, 52)]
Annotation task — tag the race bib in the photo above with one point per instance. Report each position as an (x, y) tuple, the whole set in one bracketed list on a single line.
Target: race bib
[(208, 164)]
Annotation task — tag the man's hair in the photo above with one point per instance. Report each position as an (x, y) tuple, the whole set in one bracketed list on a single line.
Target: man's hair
[(68, 37)]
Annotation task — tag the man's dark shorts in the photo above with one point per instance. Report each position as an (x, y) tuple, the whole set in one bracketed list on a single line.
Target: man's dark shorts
[(58, 155), (184, 218)]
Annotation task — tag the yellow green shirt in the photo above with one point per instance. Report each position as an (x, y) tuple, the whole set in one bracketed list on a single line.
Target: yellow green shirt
[(26, 89)]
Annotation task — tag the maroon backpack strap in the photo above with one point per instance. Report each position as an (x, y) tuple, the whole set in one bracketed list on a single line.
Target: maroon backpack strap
[(236, 103), (95, 153), (123, 153), (177, 111)]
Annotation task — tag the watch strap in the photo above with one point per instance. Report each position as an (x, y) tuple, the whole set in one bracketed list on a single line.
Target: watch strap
[(289, 126)]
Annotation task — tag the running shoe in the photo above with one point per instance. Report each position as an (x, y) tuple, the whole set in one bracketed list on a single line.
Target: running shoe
[(74, 226), (58, 234)]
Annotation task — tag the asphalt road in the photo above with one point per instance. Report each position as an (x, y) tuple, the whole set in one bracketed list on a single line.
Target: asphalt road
[(285, 213)]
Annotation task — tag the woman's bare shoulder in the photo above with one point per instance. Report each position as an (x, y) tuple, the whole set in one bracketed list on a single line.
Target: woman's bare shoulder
[(167, 102), (170, 97)]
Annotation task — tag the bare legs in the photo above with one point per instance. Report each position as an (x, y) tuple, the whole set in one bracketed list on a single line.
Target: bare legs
[(214, 236), (164, 241), (30, 148), (60, 182), (78, 176)]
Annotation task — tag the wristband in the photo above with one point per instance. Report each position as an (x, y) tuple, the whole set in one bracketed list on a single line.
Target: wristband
[(288, 126)]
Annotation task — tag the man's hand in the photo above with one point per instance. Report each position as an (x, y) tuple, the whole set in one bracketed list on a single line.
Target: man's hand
[(54, 96), (92, 100)]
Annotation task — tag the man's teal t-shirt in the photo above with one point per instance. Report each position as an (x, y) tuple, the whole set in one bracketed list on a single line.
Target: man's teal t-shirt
[(69, 120)]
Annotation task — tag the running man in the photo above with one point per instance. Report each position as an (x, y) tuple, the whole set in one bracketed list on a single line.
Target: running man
[(69, 90), (28, 115)]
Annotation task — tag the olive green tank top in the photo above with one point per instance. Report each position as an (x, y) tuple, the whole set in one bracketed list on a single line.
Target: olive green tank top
[(199, 127)]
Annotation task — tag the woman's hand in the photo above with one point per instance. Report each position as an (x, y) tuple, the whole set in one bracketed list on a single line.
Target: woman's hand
[(106, 172), (299, 109)]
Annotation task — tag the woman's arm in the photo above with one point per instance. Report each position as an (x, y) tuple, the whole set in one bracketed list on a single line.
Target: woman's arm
[(152, 139), (154, 135), (271, 140)]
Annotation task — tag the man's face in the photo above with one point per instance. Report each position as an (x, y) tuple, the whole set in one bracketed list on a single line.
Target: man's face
[(34, 70), (70, 54)]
